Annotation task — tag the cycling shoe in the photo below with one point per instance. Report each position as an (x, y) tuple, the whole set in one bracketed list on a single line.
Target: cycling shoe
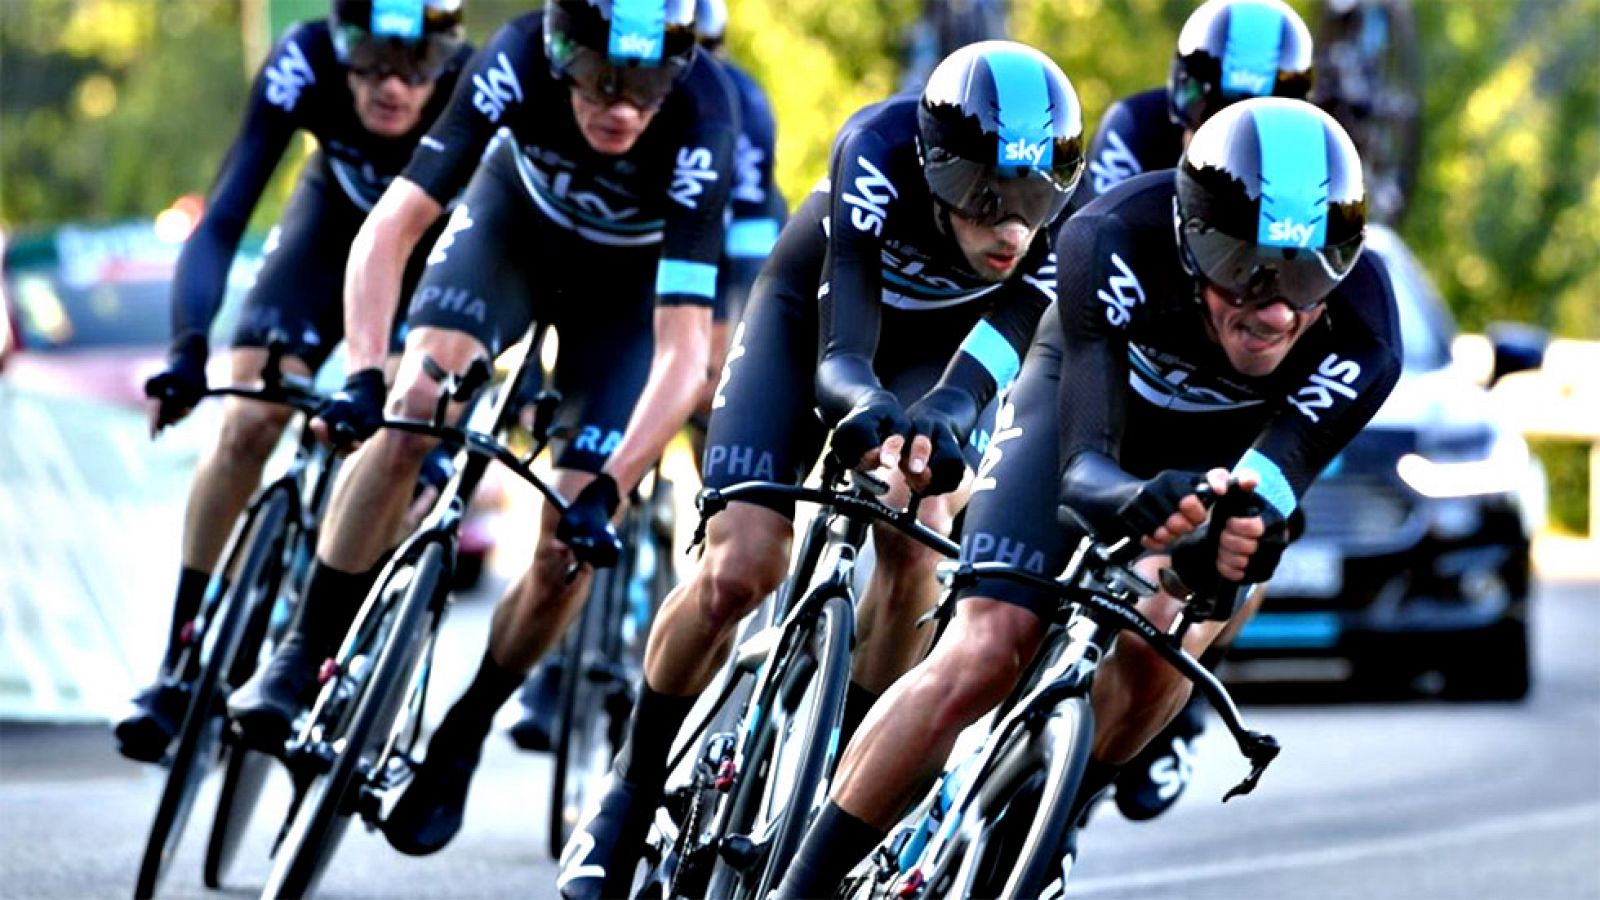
[(1154, 780), (264, 708), (430, 812), (540, 698), (600, 858), (157, 714)]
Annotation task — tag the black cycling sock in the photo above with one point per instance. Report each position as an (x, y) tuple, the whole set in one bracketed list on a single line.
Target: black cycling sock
[(833, 846), (857, 703), (1097, 776), (192, 585), (467, 723), (330, 604), (654, 725)]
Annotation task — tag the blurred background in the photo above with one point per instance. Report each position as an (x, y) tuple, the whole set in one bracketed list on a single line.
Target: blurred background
[(1470, 500)]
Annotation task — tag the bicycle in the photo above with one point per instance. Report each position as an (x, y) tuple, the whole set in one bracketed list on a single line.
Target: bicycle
[(269, 557), (753, 792), (1369, 78), (602, 657), (998, 822), (354, 748)]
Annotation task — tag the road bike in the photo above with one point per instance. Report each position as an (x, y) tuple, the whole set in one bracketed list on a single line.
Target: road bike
[(267, 560), (999, 822)]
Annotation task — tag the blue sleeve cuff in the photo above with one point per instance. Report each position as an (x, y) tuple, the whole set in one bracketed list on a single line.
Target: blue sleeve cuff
[(1274, 487), (992, 351), (676, 276), (751, 238)]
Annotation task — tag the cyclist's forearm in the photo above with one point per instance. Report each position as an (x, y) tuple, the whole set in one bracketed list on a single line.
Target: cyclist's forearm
[(376, 271), (673, 389)]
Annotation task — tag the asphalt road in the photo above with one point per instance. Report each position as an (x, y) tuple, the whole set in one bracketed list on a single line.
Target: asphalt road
[(1410, 800)]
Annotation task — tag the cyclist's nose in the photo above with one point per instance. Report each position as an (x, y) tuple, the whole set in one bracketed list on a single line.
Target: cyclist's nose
[(1276, 315), (1012, 234)]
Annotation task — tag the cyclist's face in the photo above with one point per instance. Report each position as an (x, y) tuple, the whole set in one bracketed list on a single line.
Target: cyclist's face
[(610, 126), (993, 251), (388, 106), (1255, 338)]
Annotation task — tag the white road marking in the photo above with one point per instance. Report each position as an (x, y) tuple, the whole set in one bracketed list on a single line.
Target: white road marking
[(1502, 826)]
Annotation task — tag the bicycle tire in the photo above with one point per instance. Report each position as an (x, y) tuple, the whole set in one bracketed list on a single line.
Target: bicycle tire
[(203, 721), (1062, 750), (244, 776), (828, 647), (572, 715), (324, 811)]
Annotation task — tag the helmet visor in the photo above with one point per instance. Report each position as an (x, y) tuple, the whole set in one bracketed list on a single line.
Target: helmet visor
[(415, 62), (596, 79), (988, 195), (1248, 273)]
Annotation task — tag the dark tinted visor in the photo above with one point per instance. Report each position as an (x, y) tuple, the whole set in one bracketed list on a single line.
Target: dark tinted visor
[(988, 194), (415, 62), (1249, 273), (646, 87)]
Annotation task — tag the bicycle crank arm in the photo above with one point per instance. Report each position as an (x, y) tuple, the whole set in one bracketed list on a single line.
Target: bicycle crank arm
[(1261, 749)]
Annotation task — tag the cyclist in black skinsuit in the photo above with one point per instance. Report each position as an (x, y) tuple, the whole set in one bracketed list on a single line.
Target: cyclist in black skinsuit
[(897, 301), (366, 88), (756, 211), (1259, 340), (598, 209), (1228, 50)]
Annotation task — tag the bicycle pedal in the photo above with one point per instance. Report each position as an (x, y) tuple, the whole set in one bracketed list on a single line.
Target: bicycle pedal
[(740, 851)]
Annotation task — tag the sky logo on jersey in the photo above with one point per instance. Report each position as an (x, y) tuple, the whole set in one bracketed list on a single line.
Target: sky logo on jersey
[(1294, 178), (1121, 294), (397, 18), (287, 77), (638, 28), (496, 88), (870, 201), (691, 176), (1115, 164), (1334, 378), (1022, 101), (1250, 56)]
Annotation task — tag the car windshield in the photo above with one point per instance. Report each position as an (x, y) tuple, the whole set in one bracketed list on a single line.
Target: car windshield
[(1426, 329)]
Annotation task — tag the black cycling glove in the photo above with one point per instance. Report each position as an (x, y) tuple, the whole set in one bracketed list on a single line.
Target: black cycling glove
[(1156, 499), (586, 525), (355, 411), (875, 418), (1194, 556), (932, 418), (183, 382), (1097, 493)]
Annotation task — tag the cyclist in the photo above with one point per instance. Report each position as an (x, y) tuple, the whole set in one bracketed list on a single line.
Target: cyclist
[(916, 273), (367, 82), (756, 211), (604, 193), (1256, 338), (1228, 50)]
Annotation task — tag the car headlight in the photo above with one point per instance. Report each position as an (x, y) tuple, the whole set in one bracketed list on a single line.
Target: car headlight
[(1500, 467)]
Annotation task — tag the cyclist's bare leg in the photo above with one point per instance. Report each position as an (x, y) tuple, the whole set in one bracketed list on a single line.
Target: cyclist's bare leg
[(374, 488), (747, 552), (231, 470), (902, 589), (909, 733), (536, 609), (1135, 692)]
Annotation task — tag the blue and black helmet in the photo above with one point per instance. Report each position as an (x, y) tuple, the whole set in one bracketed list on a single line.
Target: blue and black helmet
[(628, 50), (1233, 49), (1270, 203), (711, 22), (413, 39), (1001, 134)]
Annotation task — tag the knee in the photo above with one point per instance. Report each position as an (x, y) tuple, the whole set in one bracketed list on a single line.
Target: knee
[(402, 452), (962, 683), (734, 584), (1144, 674), (250, 432)]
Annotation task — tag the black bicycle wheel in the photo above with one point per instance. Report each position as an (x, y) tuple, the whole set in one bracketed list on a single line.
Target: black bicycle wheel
[(581, 750), (324, 810), (1029, 804), (783, 781), (202, 724)]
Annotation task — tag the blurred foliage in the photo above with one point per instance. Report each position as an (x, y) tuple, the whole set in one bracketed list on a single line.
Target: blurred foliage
[(1566, 467), (115, 107)]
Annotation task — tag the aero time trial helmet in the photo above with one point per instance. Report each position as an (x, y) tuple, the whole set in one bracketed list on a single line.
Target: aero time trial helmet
[(610, 50), (1233, 49), (413, 39), (1001, 134), (711, 22), (1270, 203)]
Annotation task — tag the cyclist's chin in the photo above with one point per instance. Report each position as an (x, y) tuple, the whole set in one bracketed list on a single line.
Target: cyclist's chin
[(610, 139), (388, 121)]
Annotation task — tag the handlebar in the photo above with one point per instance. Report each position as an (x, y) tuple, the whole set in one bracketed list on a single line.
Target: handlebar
[(291, 390)]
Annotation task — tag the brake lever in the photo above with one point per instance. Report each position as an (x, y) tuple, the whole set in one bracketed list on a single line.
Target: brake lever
[(1261, 749)]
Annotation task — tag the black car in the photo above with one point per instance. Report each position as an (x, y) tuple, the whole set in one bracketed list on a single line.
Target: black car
[(1415, 558)]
